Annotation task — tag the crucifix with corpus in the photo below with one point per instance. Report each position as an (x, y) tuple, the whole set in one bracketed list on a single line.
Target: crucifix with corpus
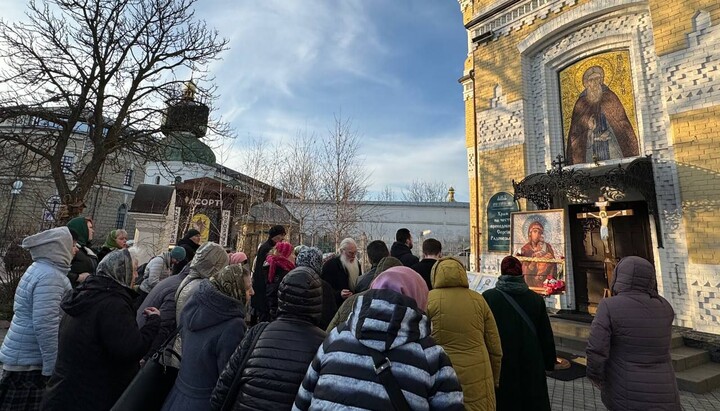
[(604, 216)]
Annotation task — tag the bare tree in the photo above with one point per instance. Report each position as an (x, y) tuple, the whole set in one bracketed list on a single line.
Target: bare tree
[(387, 194), (344, 180), (299, 177), (102, 69), (425, 191)]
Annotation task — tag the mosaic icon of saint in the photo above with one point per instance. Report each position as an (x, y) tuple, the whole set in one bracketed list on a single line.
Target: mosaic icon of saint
[(599, 127)]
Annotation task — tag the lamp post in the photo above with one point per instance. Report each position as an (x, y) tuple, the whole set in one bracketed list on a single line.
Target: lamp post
[(14, 192)]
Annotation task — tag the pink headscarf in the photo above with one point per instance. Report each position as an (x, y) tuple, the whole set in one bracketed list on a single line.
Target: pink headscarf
[(283, 249), (405, 281), (238, 258)]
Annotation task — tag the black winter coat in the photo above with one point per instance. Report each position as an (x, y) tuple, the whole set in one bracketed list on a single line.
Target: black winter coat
[(284, 350), (403, 253), (85, 261), (271, 291), (259, 300), (424, 268), (99, 347), (526, 357), (335, 274)]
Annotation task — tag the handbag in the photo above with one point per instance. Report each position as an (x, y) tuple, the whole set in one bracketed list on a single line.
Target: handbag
[(151, 385)]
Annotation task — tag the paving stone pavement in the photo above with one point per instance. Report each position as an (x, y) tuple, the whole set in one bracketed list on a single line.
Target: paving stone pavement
[(579, 394)]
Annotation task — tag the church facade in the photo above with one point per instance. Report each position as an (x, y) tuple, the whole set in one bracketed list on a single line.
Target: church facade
[(598, 120)]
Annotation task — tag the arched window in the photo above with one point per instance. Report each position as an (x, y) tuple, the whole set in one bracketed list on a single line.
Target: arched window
[(121, 216), (157, 180)]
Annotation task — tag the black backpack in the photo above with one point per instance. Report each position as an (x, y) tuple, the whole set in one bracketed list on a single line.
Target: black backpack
[(141, 271)]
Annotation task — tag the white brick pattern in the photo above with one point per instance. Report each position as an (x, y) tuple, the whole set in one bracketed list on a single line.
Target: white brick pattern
[(615, 27), (692, 75)]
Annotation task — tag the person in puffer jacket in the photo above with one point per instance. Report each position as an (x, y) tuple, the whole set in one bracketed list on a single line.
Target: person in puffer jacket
[(465, 327), (388, 319), (272, 376), (30, 348), (208, 261), (628, 352), (211, 325)]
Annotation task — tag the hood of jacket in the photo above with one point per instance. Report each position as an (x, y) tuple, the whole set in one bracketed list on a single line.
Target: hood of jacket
[(399, 249), (385, 319), (90, 292), (635, 274), (300, 295), (52, 246), (209, 259), (208, 307), (448, 272)]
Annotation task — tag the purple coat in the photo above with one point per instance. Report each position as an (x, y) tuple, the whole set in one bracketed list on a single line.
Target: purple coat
[(628, 353)]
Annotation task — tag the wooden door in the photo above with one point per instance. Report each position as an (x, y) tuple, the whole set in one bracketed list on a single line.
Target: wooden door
[(629, 235)]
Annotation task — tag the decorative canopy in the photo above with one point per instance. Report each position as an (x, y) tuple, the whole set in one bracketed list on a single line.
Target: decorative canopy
[(581, 185)]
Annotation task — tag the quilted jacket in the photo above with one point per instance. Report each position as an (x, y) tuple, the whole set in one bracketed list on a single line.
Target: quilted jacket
[(32, 340), (628, 352)]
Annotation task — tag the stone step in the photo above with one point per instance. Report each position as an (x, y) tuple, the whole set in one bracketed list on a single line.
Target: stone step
[(684, 358), (700, 379), (676, 341)]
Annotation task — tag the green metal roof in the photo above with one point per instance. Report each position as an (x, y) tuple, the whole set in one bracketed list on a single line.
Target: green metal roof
[(188, 149)]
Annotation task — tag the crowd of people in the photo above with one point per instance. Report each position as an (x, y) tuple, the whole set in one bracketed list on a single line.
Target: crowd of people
[(303, 331)]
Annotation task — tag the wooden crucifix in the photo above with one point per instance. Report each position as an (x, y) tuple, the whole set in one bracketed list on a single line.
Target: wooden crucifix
[(604, 216)]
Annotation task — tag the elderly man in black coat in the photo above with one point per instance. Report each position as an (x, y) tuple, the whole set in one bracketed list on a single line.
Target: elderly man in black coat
[(343, 271)]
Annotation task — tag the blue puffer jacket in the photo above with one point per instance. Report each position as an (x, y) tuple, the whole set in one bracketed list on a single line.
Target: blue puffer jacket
[(32, 340)]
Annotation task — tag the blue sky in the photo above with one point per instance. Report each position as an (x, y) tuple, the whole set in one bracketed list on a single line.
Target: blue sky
[(391, 66)]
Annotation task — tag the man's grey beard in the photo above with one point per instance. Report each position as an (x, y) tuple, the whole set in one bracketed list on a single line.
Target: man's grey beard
[(594, 93), (351, 267)]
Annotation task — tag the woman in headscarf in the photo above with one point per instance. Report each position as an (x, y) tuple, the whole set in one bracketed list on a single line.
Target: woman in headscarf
[(388, 321), (628, 352), (116, 240), (212, 325), (277, 264), (100, 345), (209, 260), (528, 349), (271, 376), (85, 261)]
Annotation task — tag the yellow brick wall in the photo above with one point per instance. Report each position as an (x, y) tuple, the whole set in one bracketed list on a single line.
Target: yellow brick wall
[(672, 21), (497, 170), (696, 136), (498, 62)]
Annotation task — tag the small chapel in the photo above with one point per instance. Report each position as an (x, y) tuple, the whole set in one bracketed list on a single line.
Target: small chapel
[(593, 133)]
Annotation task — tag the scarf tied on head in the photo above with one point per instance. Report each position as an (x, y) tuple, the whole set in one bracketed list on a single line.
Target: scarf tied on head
[(230, 281), (280, 259)]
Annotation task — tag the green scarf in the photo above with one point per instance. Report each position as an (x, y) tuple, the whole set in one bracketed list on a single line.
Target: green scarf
[(514, 284), (79, 225), (110, 241)]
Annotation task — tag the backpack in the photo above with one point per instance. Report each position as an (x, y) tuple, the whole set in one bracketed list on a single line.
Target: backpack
[(141, 271)]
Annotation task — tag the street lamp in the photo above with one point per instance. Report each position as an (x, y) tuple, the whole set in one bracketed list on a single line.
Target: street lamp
[(16, 189)]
